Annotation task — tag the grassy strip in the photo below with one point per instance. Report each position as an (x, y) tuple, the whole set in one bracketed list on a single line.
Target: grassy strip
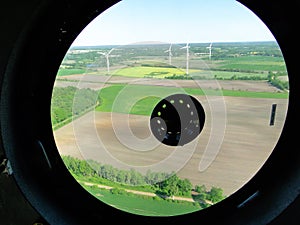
[(143, 205)]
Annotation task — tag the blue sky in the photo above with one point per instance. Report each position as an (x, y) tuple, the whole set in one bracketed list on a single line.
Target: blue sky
[(174, 21)]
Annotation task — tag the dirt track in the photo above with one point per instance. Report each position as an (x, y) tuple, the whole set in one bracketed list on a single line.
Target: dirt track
[(150, 194), (247, 143)]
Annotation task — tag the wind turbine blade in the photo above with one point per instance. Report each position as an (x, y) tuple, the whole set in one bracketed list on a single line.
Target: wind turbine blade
[(110, 51)]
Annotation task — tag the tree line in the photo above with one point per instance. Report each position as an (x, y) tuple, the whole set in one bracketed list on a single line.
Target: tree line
[(163, 184), (215, 77), (71, 101), (273, 79)]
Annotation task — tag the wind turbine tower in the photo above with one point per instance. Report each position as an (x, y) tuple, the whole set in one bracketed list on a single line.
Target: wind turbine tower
[(187, 57), (209, 49), (170, 54), (106, 55)]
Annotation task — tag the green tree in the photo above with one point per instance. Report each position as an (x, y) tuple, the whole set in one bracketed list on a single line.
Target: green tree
[(215, 195), (170, 185), (200, 189), (185, 186)]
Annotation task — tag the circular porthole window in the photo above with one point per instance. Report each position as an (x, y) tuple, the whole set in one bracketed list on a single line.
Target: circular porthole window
[(164, 111)]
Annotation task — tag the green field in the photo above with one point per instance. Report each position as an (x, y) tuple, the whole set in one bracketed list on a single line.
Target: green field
[(66, 72), (143, 205), (109, 94), (140, 109), (254, 63), (144, 106)]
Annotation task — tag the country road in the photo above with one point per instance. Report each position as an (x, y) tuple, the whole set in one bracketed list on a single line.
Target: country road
[(136, 192)]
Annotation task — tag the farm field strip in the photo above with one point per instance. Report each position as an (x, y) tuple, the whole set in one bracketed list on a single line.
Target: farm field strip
[(162, 72), (146, 104), (99, 81)]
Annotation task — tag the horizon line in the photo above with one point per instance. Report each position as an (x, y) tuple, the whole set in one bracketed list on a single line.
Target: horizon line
[(165, 43)]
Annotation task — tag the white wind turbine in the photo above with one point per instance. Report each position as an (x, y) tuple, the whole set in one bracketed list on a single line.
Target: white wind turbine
[(187, 57), (170, 54), (106, 54), (209, 48)]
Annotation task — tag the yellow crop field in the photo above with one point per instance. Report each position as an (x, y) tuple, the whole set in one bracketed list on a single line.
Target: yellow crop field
[(148, 71)]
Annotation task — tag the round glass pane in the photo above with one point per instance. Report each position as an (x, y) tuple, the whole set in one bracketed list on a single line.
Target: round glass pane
[(162, 109)]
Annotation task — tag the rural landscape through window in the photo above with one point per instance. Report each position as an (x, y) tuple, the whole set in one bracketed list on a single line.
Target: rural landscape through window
[(213, 64)]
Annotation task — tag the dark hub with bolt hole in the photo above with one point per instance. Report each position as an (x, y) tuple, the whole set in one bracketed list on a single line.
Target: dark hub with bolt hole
[(177, 119)]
